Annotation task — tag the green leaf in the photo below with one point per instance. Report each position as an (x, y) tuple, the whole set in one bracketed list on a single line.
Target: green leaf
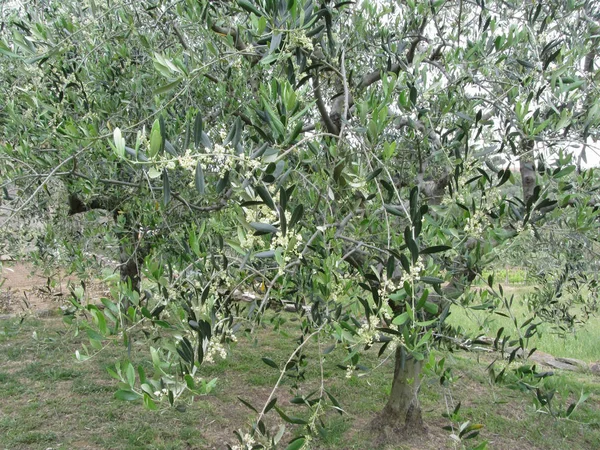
[(127, 395), (526, 64), (373, 174), (401, 319), (295, 420), (142, 374), (435, 249), (166, 188), (431, 280), (199, 179), (119, 143), (431, 307), (247, 404), (296, 215), (170, 149), (270, 362), (264, 194), (393, 210), (270, 405), (198, 130), (263, 228), (156, 141), (249, 7), (94, 335), (472, 427), (235, 133), (564, 172), (167, 87), (130, 373), (149, 403), (413, 95), (296, 444)]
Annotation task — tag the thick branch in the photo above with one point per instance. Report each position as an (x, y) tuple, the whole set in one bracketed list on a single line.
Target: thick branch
[(180, 37), (329, 125), (588, 65), (373, 77), (238, 42), (229, 31), (77, 206), (527, 169), (419, 126)]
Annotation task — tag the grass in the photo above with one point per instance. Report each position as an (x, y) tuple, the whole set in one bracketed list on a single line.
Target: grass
[(580, 344), (50, 400)]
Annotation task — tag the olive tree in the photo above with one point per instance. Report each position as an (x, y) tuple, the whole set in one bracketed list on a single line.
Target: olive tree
[(336, 154)]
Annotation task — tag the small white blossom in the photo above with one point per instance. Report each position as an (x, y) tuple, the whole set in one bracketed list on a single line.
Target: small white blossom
[(350, 371), (414, 274)]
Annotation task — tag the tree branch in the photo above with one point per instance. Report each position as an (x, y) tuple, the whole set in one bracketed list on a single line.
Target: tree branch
[(238, 43), (214, 207), (329, 125), (373, 77)]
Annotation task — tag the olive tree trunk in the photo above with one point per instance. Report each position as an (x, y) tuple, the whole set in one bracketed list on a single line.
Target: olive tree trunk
[(402, 408)]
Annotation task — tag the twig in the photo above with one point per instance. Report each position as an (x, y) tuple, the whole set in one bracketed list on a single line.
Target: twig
[(282, 372)]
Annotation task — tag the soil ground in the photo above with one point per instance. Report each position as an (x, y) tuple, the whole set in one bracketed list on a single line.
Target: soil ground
[(25, 290)]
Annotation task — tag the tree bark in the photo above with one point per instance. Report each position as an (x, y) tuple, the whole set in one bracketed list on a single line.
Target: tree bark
[(402, 408)]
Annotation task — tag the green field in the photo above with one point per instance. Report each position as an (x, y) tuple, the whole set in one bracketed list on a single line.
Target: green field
[(51, 400), (580, 343)]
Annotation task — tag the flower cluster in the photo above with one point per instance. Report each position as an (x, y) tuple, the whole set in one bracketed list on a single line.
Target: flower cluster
[(160, 394), (414, 274), (219, 160), (350, 371), (215, 348), (288, 244), (247, 443), (230, 336), (248, 240), (368, 331), (299, 39), (386, 285), (187, 161), (397, 341), (261, 214), (476, 224), (339, 290)]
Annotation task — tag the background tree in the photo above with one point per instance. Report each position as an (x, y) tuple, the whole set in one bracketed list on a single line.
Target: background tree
[(339, 155)]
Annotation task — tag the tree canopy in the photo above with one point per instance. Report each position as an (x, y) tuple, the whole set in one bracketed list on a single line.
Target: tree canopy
[(361, 163)]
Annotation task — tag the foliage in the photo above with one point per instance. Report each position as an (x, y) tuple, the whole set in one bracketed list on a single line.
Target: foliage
[(338, 156)]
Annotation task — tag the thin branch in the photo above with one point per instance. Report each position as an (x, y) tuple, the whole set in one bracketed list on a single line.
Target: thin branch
[(214, 207), (43, 183), (105, 180), (282, 371)]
